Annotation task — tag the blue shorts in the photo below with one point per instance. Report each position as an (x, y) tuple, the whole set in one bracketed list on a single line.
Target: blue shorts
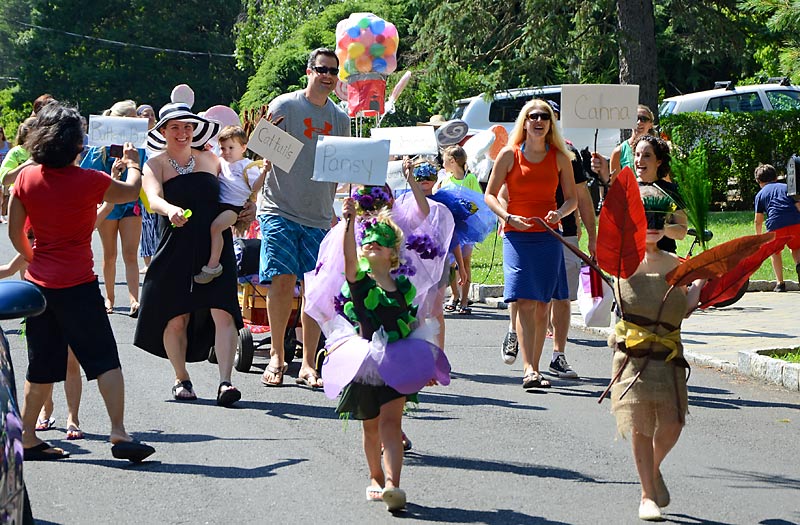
[(287, 248), (533, 267)]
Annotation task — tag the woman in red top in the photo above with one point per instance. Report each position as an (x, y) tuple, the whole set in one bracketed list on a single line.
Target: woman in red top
[(532, 166), (60, 264)]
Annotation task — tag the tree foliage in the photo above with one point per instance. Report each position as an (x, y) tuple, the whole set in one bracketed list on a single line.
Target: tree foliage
[(94, 74), (782, 23)]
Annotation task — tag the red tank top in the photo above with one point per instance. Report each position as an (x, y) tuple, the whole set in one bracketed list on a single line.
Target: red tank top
[(532, 187)]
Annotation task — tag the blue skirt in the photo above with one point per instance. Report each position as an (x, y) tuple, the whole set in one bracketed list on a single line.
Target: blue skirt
[(533, 267)]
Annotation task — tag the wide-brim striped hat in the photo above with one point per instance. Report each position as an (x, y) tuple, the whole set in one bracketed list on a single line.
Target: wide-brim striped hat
[(204, 129)]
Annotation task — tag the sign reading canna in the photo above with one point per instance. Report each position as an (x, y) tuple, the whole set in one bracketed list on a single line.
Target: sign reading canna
[(274, 144), (352, 160), (599, 106), (108, 131)]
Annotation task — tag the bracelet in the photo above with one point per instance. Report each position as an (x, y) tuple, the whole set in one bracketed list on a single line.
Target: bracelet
[(508, 217), (135, 168)]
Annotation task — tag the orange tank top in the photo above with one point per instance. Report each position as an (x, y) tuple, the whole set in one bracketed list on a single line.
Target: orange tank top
[(532, 187)]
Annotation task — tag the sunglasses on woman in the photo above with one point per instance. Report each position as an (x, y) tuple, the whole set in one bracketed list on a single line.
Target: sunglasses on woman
[(324, 69), (533, 117), (643, 118)]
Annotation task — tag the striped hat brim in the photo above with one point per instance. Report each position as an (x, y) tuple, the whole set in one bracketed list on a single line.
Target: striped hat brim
[(204, 130)]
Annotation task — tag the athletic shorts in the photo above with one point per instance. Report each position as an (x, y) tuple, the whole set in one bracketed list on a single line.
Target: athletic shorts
[(287, 248), (77, 317)]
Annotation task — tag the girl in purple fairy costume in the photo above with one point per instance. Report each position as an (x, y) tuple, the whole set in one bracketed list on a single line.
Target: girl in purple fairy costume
[(382, 358)]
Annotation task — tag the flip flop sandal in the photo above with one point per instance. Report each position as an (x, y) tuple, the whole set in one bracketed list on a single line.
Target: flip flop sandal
[(374, 493), (465, 310), (277, 372), (45, 424), (226, 398), (187, 387), (394, 498), (134, 451), (451, 306), (307, 380), (74, 433), (534, 380), (44, 452)]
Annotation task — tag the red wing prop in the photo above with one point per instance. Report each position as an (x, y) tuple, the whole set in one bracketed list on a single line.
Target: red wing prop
[(622, 231), (719, 260), (726, 287)]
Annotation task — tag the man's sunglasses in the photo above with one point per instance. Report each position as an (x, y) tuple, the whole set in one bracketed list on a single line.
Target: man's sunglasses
[(324, 69), (643, 118), (533, 117)]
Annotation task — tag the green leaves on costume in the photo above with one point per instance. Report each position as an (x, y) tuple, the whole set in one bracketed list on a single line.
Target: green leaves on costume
[(363, 268)]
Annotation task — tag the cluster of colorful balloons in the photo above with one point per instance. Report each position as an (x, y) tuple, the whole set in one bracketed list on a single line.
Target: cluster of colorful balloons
[(366, 43)]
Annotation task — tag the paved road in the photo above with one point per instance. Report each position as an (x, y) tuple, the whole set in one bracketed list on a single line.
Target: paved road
[(485, 450)]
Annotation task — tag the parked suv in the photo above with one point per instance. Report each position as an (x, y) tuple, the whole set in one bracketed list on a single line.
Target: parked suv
[(778, 94), (481, 114)]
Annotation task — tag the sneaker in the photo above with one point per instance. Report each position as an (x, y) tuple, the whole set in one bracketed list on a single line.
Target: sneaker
[(510, 348), (560, 368), (780, 287), (207, 274)]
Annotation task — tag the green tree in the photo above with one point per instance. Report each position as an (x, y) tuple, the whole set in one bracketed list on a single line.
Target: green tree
[(93, 74), (783, 22)]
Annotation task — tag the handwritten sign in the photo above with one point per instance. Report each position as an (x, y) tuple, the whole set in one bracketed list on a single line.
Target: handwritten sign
[(599, 106), (275, 145), (348, 159), (106, 131), (412, 140)]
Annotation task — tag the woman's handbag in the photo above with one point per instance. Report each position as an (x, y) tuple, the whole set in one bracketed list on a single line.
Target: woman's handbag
[(595, 298)]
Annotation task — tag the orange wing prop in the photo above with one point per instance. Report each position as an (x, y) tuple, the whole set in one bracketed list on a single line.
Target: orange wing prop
[(622, 231), (719, 260)]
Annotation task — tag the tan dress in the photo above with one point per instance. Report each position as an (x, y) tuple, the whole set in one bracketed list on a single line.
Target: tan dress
[(659, 395)]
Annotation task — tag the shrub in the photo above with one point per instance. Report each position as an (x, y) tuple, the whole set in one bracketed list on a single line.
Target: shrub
[(735, 144)]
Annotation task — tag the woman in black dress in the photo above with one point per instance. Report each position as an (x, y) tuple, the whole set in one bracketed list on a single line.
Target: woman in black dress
[(175, 316)]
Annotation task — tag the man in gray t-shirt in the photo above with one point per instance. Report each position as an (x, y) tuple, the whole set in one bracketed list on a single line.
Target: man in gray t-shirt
[(296, 212)]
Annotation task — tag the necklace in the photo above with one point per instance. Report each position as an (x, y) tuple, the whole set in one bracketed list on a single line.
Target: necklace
[(183, 170)]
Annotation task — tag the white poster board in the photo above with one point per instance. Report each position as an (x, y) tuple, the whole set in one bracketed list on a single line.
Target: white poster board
[(350, 159), (599, 106), (411, 140), (275, 145), (108, 131)]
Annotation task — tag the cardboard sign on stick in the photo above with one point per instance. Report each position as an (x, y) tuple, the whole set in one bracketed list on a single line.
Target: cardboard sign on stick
[(108, 131), (599, 106), (353, 160), (411, 140), (275, 145)]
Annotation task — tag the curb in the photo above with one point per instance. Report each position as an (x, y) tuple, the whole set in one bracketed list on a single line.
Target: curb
[(750, 362)]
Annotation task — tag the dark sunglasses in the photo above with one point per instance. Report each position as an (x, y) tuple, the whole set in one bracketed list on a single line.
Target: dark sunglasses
[(533, 117), (426, 178), (324, 69), (643, 118)]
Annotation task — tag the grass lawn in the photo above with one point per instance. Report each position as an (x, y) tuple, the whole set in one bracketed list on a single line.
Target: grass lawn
[(487, 259), (793, 356)]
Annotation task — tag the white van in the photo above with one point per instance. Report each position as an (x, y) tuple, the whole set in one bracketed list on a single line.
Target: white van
[(504, 107)]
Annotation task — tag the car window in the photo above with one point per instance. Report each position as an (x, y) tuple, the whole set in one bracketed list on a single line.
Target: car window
[(507, 109), (459, 112), (666, 108), (735, 103), (784, 99)]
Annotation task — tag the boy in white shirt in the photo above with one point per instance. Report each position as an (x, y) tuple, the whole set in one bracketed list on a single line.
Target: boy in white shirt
[(239, 181)]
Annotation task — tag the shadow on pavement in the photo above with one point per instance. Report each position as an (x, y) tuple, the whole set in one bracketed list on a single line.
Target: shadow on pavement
[(209, 471), (521, 469), (691, 520), (735, 404), (754, 480), (462, 400), (455, 515)]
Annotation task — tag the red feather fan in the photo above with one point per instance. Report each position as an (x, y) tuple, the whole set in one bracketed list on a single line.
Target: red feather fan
[(719, 260), (622, 231)]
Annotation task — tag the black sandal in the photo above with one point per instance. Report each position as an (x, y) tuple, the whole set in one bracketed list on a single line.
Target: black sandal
[(451, 305), (226, 398), (187, 386)]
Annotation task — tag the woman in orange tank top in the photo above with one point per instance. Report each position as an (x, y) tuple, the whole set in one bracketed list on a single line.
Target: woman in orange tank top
[(532, 166)]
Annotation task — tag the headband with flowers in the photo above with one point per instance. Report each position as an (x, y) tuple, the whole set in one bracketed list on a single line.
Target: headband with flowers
[(371, 199)]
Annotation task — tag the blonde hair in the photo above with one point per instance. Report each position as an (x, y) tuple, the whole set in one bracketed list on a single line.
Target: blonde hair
[(233, 133), (553, 137), (123, 108), (458, 154), (385, 216)]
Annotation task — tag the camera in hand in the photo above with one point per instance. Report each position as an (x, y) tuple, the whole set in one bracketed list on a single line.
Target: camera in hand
[(116, 151)]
